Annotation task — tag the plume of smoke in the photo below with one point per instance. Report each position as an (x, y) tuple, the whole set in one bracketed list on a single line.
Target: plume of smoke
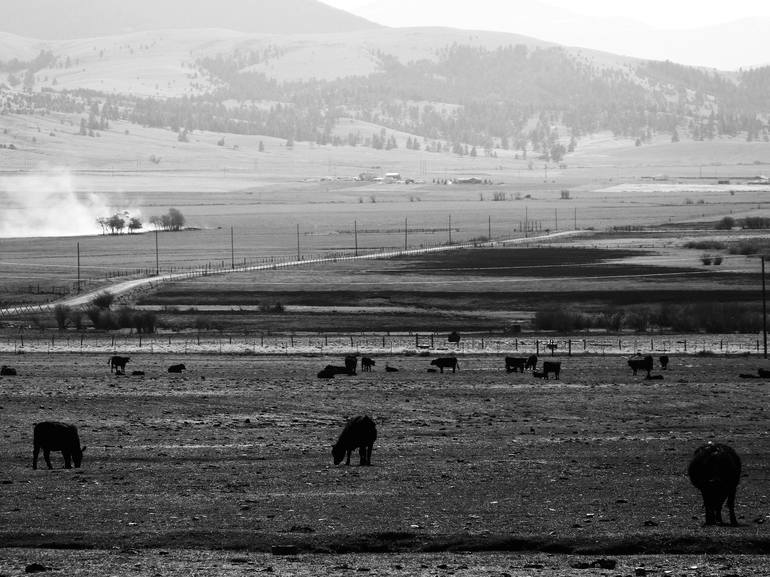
[(48, 204)]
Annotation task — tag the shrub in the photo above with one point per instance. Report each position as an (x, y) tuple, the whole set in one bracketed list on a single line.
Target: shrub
[(103, 300), (62, 314), (558, 319), (727, 223), (705, 245), (706, 259)]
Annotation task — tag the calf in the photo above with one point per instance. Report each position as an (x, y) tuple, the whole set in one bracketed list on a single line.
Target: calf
[(715, 470), (663, 362), (515, 363), (359, 433), (6, 371), (118, 364), (351, 363), (389, 369), (367, 364), (55, 436), (445, 362), (177, 368), (644, 364), (551, 367), (531, 362)]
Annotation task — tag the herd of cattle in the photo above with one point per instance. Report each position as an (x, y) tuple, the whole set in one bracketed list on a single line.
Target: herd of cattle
[(512, 365), (715, 468)]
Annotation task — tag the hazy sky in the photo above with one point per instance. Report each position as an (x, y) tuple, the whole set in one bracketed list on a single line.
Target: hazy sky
[(655, 29)]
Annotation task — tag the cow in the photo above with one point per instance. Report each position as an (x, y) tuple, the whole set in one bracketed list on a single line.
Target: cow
[(389, 369), (6, 371), (551, 367), (367, 364), (351, 362), (531, 362), (177, 368), (539, 375), (359, 433), (137, 373), (446, 362), (715, 470), (663, 362), (764, 373), (512, 364), (118, 364), (644, 364), (56, 436), (329, 371), (453, 337)]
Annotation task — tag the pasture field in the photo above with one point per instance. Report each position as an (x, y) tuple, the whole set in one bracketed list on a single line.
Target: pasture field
[(212, 467)]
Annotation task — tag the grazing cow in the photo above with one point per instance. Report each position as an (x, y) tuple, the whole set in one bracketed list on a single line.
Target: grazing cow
[(118, 364), (359, 433), (715, 470), (351, 363), (177, 368), (55, 436), (539, 375), (446, 362), (512, 364), (531, 362), (663, 362), (645, 364), (552, 367), (764, 373), (6, 371), (367, 364), (454, 337), (389, 369), (329, 371)]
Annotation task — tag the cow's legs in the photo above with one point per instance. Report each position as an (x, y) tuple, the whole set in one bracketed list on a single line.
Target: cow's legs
[(731, 507), (348, 453), (362, 455), (35, 453), (47, 457), (67, 460)]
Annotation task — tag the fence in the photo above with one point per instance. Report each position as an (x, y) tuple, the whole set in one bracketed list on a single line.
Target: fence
[(379, 343)]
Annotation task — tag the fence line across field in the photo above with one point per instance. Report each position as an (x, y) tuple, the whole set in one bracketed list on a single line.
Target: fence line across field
[(381, 343)]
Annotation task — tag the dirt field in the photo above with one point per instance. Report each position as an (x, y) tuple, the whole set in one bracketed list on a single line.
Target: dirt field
[(233, 455)]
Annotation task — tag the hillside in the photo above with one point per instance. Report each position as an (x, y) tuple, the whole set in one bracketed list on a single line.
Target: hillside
[(458, 91), (67, 19)]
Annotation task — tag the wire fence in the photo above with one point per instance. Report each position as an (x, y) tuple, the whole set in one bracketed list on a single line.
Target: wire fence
[(380, 343)]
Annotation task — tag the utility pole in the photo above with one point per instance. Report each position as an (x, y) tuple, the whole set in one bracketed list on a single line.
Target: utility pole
[(450, 229), (764, 308), (355, 236), (406, 233), (556, 218), (232, 248), (489, 228), (78, 246), (157, 262), (299, 257)]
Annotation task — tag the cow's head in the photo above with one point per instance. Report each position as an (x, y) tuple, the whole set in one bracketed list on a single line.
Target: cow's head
[(338, 453), (77, 456)]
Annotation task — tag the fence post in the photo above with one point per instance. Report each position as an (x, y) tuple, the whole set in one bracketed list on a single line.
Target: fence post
[(537, 347), (569, 348)]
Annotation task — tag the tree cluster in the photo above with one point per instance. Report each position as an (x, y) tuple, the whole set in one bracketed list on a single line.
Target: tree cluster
[(173, 220)]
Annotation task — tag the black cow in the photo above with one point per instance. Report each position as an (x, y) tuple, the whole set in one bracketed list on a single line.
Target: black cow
[(137, 373), (531, 362), (764, 373), (644, 364), (118, 364), (389, 369), (329, 371), (351, 363), (6, 371), (453, 337), (715, 470), (446, 362), (663, 362), (55, 436), (367, 364), (551, 367), (359, 433), (512, 364), (177, 368)]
